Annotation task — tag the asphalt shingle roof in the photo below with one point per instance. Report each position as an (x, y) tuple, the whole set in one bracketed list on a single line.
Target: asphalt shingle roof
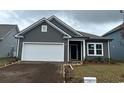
[(92, 36), (5, 28), (115, 29)]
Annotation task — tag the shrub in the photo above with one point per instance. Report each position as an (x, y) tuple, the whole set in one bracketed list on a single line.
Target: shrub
[(98, 60), (12, 59)]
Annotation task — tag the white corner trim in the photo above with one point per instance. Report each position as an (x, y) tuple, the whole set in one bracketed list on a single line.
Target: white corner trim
[(17, 48), (66, 25), (84, 49), (95, 49), (109, 55)]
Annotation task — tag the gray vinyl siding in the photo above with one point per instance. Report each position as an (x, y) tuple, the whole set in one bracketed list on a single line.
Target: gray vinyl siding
[(63, 28), (7, 43), (35, 35), (105, 49), (117, 45)]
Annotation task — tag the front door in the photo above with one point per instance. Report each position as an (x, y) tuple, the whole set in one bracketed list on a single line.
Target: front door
[(73, 51)]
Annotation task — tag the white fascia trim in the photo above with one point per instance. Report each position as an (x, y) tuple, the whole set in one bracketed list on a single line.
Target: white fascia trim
[(76, 39), (66, 36), (94, 50), (66, 25), (17, 36), (47, 43)]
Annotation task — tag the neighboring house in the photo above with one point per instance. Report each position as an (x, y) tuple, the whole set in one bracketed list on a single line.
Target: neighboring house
[(8, 41), (117, 44), (53, 40)]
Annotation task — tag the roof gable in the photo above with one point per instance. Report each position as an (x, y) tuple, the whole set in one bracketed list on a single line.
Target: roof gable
[(114, 30), (65, 25), (39, 22)]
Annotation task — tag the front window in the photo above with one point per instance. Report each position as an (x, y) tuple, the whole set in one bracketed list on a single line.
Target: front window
[(95, 49), (44, 28)]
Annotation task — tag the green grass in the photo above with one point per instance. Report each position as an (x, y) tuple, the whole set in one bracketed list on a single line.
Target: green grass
[(4, 61), (105, 73)]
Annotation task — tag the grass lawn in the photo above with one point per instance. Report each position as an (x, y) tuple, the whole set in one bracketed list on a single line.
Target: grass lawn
[(105, 73), (4, 61)]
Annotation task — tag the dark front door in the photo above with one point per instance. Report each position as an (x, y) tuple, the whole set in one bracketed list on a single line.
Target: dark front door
[(73, 51)]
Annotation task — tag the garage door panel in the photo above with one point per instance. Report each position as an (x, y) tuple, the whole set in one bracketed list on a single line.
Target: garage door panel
[(43, 52)]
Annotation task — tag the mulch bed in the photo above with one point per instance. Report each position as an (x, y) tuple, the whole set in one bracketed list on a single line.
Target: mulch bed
[(31, 73)]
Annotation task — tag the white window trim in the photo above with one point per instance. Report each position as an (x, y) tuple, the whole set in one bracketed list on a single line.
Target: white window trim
[(94, 50), (42, 26)]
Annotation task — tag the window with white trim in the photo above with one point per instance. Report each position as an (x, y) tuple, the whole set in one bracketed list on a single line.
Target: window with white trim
[(43, 28), (95, 49)]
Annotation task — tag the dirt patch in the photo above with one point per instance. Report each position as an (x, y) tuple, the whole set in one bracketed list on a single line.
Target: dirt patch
[(31, 73)]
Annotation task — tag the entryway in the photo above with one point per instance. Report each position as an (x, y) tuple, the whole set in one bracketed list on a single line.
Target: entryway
[(74, 50)]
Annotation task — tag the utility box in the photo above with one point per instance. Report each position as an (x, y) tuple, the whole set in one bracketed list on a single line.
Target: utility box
[(90, 80)]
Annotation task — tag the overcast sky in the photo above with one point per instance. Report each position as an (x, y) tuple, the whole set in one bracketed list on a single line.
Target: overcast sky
[(92, 21)]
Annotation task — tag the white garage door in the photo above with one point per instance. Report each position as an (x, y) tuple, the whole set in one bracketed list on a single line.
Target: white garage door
[(43, 52)]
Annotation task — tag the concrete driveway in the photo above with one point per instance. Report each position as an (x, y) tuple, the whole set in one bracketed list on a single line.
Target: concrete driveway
[(32, 73)]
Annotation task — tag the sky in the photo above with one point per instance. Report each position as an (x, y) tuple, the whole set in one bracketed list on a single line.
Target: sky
[(91, 21)]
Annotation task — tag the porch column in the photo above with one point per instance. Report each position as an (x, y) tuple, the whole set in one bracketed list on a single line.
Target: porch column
[(84, 50), (68, 49), (81, 51), (17, 48)]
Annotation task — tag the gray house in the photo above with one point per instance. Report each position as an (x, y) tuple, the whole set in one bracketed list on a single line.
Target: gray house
[(53, 40), (117, 44), (8, 41)]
